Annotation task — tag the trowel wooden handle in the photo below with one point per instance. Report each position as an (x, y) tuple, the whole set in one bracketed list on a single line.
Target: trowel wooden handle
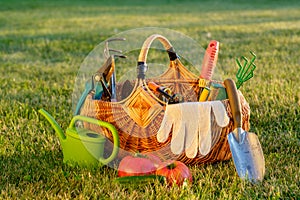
[(234, 102)]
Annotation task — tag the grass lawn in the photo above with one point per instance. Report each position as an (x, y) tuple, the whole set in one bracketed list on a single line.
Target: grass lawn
[(43, 43)]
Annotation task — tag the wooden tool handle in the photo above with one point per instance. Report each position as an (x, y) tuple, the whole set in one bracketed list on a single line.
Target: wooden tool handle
[(234, 102)]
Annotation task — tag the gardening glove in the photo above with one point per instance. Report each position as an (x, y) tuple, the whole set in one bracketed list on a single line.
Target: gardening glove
[(180, 118), (191, 115), (172, 121), (190, 124), (203, 139), (202, 134), (220, 113)]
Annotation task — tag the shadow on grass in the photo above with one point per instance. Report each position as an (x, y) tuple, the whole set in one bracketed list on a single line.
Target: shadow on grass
[(44, 167)]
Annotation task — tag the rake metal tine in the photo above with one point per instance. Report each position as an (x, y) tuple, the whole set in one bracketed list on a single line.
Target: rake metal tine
[(112, 39), (120, 55), (116, 39), (107, 49), (115, 50)]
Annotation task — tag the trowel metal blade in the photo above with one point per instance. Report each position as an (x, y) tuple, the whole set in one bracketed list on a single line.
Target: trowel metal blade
[(247, 156)]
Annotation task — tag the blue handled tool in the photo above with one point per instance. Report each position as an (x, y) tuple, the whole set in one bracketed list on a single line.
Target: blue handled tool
[(90, 85)]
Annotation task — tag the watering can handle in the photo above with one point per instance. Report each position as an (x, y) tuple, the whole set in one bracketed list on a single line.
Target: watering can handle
[(107, 125)]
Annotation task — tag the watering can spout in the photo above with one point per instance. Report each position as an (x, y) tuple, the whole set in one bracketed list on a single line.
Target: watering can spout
[(54, 124)]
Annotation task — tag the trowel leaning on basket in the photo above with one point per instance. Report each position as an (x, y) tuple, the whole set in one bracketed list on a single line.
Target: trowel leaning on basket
[(245, 147), (103, 82)]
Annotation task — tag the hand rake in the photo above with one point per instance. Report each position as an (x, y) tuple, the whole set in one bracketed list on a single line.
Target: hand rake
[(245, 71)]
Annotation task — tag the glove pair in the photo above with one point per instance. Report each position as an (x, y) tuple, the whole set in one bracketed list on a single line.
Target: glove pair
[(190, 124)]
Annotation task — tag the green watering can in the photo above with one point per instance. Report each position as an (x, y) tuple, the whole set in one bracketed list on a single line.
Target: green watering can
[(82, 146)]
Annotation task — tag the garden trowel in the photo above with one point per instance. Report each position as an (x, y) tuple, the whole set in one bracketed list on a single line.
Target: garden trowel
[(245, 147)]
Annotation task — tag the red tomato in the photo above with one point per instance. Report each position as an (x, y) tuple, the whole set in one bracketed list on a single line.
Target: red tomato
[(155, 159), (176, 172), (138, 165)]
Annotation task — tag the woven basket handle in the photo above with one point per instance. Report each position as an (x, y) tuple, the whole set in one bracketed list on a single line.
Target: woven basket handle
[(142, 66)]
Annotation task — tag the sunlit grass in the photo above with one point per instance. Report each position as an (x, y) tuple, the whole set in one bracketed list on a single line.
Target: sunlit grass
[(42, 45)]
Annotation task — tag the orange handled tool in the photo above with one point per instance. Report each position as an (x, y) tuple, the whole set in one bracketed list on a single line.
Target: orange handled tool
[(153, 86), (172, 99)]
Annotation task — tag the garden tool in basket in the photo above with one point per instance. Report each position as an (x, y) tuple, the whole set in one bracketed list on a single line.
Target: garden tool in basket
[(208, 65), (103, 82), (109, 74), (245, 147), (245, 72), (166, 92)]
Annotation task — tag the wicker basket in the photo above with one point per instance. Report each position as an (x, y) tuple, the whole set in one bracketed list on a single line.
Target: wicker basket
[(139, 116)]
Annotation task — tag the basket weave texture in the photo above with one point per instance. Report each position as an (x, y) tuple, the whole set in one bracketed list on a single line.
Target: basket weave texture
[(139, 116)]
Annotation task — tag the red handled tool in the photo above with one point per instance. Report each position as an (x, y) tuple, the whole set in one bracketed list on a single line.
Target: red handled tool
[(208, 65), (210, 60)]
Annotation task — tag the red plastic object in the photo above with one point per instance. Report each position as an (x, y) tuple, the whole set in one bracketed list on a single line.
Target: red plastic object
[(210, 60)]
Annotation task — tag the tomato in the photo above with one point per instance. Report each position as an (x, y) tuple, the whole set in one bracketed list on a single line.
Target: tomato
[(140, 164), (176, 172), (155, 159)]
